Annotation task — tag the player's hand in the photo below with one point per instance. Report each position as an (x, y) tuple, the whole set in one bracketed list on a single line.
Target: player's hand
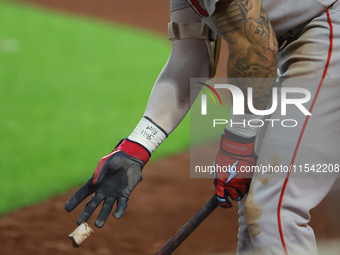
[(230, 179), (116, 175)]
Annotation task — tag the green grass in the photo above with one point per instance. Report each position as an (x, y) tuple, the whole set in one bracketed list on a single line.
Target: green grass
[(70, 89)]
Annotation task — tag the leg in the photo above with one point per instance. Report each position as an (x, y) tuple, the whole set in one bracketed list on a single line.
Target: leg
[(244, 245), (284, 202)]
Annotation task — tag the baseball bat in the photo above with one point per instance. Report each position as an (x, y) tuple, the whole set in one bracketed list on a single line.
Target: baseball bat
[(189, 227)]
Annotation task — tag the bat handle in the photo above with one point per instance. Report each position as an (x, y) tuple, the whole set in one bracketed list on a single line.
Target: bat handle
[(189, 227)]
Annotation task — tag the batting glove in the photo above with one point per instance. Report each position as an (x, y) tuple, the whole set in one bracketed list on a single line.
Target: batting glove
[(233, 163), (116, 175)]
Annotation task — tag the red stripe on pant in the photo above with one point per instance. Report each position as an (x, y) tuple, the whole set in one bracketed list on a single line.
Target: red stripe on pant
[(302, 132)]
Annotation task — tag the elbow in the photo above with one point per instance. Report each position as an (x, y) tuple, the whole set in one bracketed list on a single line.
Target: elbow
[(190, 58)]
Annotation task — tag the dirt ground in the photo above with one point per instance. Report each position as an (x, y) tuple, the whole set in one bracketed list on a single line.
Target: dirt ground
[(160, 205)]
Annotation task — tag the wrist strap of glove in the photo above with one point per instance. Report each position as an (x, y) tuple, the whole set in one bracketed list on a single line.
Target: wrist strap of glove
[(236, 145), (148, 134), (134, 149)]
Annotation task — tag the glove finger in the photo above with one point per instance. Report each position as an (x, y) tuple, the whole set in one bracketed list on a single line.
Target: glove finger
[(224, 202), (104, 212), (121, 207), (226, 197), (235, 194), (79, 196), (240, 196), (89, 208)]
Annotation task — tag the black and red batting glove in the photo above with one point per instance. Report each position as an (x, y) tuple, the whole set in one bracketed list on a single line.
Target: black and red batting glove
[(233, 163), (116, 175)]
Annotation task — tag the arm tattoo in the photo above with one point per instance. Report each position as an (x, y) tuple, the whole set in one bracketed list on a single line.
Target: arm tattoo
[(252, 45)]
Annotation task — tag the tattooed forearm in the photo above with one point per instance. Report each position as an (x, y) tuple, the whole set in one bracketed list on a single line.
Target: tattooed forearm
[(232, 19), (252, 45)]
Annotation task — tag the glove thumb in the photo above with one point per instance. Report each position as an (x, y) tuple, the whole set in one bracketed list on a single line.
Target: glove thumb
[(100, 171)]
